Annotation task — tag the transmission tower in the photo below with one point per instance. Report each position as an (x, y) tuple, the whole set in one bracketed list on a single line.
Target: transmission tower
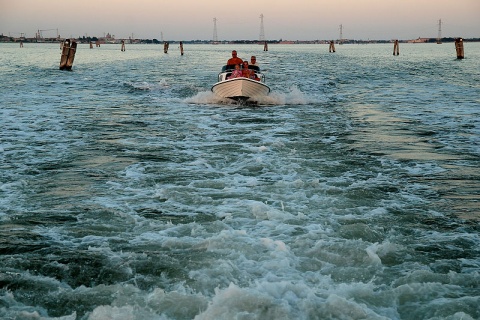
[(262, 30), (341, 34), (215, 36), (439, 39)]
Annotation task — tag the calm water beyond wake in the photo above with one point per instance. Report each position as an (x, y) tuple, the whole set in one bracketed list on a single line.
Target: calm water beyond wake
[(129, 191)]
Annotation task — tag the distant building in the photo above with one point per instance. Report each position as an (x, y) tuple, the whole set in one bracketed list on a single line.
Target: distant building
[(419, 40), (4, 38), (108, 38)]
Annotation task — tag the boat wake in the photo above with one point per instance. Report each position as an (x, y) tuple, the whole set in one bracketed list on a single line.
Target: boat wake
[(291, 97), (146, 86), (190, 95)]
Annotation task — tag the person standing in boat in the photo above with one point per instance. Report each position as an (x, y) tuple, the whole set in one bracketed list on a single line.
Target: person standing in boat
[(234, 59), (253, 61)]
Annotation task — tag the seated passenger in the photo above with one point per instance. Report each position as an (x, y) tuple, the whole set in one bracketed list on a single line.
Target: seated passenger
[(237, 73), (249, 73), (245, 71)]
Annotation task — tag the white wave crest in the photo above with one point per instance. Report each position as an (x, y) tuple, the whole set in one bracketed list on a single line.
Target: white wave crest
[(292, 96)]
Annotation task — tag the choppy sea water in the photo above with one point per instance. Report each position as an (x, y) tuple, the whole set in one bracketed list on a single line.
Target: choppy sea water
[(128, 191)]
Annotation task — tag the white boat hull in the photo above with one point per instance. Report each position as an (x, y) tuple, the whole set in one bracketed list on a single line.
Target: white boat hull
[(241, 89)]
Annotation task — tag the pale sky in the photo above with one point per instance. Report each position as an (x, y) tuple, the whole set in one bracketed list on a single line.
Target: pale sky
[(283, 19)]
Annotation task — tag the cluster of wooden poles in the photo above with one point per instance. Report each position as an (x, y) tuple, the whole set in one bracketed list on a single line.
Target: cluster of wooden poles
[(68, 54), (396, 48), (70, 47)]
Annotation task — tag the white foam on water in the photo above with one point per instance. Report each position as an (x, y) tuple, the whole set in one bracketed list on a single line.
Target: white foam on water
[(161, 88), (208, 97), (195, 207), (291, 96)]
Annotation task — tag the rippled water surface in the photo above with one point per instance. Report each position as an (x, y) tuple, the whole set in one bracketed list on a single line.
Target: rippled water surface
[(129, 191)]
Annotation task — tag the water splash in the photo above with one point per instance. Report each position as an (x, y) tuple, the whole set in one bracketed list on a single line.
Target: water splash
[(292, 96)]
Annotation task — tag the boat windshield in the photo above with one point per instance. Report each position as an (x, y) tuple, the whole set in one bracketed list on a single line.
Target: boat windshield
[(230, 67)]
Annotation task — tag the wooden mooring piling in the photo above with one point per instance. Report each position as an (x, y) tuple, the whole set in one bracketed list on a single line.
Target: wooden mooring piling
[(331, 48), (459, 48), (69, 49), (396, 50)]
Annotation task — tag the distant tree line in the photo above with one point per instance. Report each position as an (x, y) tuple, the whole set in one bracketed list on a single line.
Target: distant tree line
[(86, 39), (453, 40)]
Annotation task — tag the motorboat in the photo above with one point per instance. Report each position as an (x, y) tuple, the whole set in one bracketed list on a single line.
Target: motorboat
[(240, 89)]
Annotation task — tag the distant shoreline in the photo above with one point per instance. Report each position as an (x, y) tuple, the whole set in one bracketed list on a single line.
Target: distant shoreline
[(94, 40)]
